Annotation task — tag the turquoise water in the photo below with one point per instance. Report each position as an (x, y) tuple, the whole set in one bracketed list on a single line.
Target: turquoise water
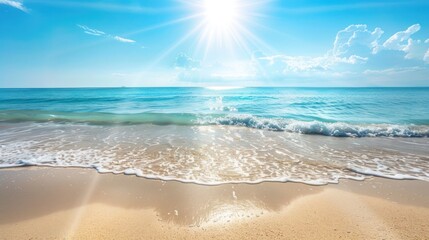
[(326, 111), (211, 136)]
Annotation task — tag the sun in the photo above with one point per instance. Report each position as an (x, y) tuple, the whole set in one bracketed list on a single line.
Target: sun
[(224, 28), (220, 13)]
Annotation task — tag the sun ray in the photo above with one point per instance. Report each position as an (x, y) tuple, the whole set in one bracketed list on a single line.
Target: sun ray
[(80, 211), (178, 43), (224, 27), (256, 40), (165, 24), (220, 30)]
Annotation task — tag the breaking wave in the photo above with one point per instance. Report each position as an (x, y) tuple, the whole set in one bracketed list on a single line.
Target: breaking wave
[(335, 129)]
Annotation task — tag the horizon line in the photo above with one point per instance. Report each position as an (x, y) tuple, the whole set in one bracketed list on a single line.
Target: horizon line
[(208, 87)]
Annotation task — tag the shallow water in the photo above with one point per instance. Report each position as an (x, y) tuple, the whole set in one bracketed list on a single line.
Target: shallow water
[(213, 154)]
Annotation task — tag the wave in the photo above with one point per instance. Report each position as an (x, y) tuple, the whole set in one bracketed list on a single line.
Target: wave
[(336, 129), (317, 127)]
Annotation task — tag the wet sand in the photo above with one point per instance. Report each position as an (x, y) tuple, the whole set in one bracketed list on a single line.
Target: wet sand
[(73, 203)]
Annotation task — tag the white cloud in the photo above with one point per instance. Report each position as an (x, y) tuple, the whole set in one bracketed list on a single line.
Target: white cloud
[(124, 40), (282, 65), (353, 59), (91, 31), (402, 41), (416, 49), (352, 45), (355, 39), (16, 4), (399, 40), (358, 41)]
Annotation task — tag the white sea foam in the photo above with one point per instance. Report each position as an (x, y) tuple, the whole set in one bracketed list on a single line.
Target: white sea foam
[(218, 105), (337, 129), (213, 154)]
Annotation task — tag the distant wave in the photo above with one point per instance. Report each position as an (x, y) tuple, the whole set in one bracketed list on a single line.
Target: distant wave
[(335, 129)]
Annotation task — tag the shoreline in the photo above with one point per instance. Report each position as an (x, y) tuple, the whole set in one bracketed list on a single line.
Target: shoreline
[(365, 177), (213, 155), (76, 203)]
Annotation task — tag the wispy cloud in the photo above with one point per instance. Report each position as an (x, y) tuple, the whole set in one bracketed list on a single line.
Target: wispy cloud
[(98, 33), (125, 40), (16, 4), (91, 31)]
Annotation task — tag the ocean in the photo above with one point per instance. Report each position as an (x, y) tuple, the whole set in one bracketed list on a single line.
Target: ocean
[(221, 135)]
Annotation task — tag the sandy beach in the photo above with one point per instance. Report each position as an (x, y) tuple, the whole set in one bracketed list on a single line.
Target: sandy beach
[(73, 203), (214, 119)]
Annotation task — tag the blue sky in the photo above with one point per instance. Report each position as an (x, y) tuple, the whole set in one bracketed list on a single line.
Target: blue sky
[(73, 43)]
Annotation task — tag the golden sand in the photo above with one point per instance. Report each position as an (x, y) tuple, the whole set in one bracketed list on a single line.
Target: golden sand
[(48, 203)]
